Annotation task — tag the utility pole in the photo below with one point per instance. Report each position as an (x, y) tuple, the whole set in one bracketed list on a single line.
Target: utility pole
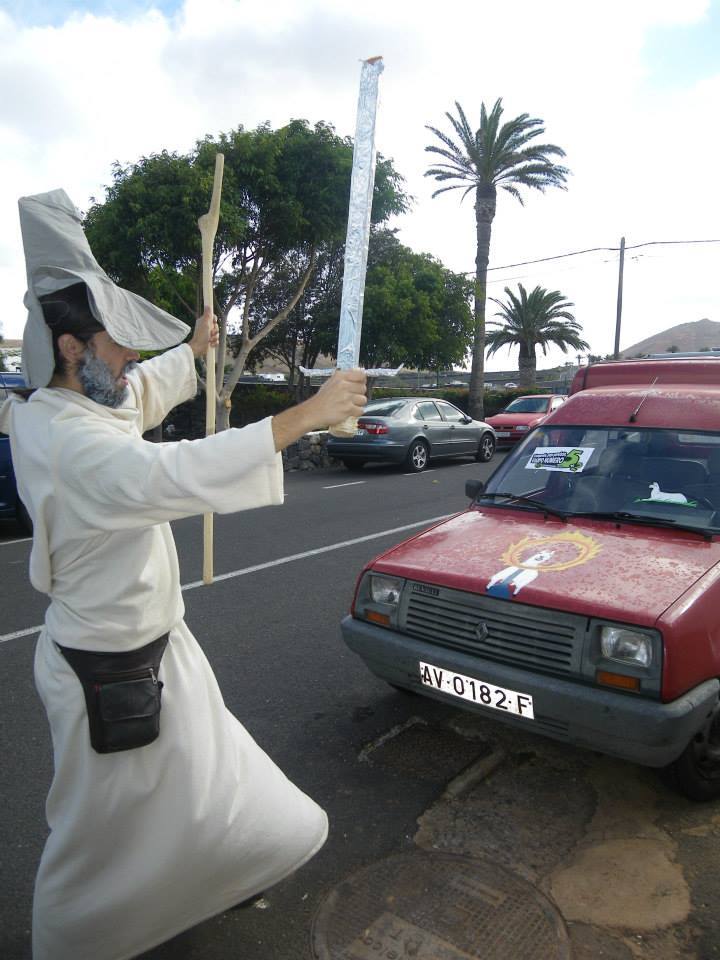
[(616, 354)]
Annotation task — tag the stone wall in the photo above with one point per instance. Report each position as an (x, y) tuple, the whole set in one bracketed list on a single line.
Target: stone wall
[(308, 453)]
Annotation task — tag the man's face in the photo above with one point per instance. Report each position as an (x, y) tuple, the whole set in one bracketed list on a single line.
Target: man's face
[(103, 368)]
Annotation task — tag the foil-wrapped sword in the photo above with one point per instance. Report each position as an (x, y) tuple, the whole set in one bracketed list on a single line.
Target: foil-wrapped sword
[(362, 184)]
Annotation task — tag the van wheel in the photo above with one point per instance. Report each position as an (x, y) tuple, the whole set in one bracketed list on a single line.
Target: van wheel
[(417, 456), (486, 448), (696, 771), (23, 517)]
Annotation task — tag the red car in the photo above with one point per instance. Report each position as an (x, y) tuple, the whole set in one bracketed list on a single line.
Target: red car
[(522, 415), (577, 597)]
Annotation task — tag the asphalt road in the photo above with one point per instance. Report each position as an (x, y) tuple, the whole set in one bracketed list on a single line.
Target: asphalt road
[(271, 631)]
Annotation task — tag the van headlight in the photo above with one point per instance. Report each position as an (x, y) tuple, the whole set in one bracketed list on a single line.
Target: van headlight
[(385, 589), (626, 646)]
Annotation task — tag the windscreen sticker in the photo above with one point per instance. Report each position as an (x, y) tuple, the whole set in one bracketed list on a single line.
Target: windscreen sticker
[(563, 459), (664, 496)]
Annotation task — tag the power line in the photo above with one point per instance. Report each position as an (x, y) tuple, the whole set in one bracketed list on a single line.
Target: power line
[(577, 253)]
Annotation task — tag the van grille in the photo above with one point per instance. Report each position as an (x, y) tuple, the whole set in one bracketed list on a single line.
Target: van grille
[(513, 633)]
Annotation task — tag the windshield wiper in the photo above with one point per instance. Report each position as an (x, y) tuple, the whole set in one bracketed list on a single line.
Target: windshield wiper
[(626, 516), (530, 501)]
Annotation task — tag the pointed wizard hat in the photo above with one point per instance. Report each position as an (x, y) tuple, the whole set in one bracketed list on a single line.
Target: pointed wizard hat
[(57, 255)]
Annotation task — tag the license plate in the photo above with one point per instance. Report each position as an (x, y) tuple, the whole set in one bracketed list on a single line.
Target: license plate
[(359, 433), (503, 433), (477, 691)]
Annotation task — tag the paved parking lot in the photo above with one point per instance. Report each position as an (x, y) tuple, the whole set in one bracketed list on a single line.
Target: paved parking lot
[(632, 867)]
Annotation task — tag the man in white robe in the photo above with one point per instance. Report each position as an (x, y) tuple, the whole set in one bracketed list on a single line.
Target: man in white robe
[(145, 842)]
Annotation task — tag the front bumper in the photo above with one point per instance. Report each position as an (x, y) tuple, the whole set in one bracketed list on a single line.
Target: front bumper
[(511, 440), (623, 725)]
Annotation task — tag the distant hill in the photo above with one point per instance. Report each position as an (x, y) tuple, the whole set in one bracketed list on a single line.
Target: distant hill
[(687, 337)]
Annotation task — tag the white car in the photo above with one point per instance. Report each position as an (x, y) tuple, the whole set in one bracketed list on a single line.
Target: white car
[(273, 377)]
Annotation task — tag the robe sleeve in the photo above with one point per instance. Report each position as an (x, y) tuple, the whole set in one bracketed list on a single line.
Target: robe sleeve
[(115, 481), (162, 383)]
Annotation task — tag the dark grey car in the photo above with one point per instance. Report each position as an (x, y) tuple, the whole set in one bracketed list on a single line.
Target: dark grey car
[(412, 430)]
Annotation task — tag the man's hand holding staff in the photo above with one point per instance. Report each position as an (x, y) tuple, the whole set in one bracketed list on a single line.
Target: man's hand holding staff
[(208, 224)]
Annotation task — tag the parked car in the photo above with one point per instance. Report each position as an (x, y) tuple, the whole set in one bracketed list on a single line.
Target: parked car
[(273, 377), (510, 386), (11, 506), (521, 415), (577, 597), (413, 430)]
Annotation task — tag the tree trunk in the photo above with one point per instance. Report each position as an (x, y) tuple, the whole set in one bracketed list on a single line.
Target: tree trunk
[(527, 367), (222, 414), (485, 197)]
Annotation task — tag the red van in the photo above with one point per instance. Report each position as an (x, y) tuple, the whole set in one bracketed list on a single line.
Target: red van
[(578, 595)]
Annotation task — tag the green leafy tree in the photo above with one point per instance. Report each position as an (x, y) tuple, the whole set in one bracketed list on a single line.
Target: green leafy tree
[(416, 312), (312, 325), (536, 319), (284, 192), (495, 155)]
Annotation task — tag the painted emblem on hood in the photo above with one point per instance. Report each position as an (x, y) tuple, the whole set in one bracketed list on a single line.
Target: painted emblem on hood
[(534, 555)]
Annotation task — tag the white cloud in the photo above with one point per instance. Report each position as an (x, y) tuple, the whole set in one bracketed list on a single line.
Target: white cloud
[(96, 89)]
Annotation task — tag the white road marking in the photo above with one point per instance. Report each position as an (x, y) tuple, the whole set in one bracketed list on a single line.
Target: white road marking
[(416, 474), (20, 633), (318, 550), (273, 563), (9, 543), (352, 483)]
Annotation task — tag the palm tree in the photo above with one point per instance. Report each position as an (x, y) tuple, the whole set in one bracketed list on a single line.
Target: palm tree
[(534, 320), (492, 156)]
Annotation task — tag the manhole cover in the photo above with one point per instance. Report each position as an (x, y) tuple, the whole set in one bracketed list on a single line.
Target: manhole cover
[(437, 906)]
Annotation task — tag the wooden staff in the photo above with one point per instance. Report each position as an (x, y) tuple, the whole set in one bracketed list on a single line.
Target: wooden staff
[(208, 224)]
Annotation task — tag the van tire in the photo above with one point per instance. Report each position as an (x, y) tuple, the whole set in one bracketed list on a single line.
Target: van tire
[(696, 772)]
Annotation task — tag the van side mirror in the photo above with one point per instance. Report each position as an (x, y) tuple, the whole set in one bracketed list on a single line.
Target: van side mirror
[(473, 488)]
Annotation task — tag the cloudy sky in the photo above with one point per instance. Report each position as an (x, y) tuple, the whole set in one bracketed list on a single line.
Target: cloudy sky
[(629, 88)]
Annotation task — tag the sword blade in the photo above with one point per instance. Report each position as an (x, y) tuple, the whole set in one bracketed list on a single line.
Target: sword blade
[(358, 228)]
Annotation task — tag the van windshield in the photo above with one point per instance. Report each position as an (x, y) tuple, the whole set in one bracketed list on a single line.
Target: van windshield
[(666, 475)]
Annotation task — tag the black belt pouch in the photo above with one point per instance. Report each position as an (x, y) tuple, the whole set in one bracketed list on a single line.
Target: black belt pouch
[(122, 694)]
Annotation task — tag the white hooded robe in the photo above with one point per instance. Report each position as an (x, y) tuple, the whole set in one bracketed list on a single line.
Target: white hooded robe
[(147, 842)]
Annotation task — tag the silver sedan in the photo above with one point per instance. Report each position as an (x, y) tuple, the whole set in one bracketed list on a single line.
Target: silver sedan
[(412, 430)]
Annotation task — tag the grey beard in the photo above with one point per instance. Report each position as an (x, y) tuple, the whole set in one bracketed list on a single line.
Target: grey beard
[(98, 381)]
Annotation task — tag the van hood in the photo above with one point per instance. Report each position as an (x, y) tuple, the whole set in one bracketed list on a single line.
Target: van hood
[(630, 573)]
